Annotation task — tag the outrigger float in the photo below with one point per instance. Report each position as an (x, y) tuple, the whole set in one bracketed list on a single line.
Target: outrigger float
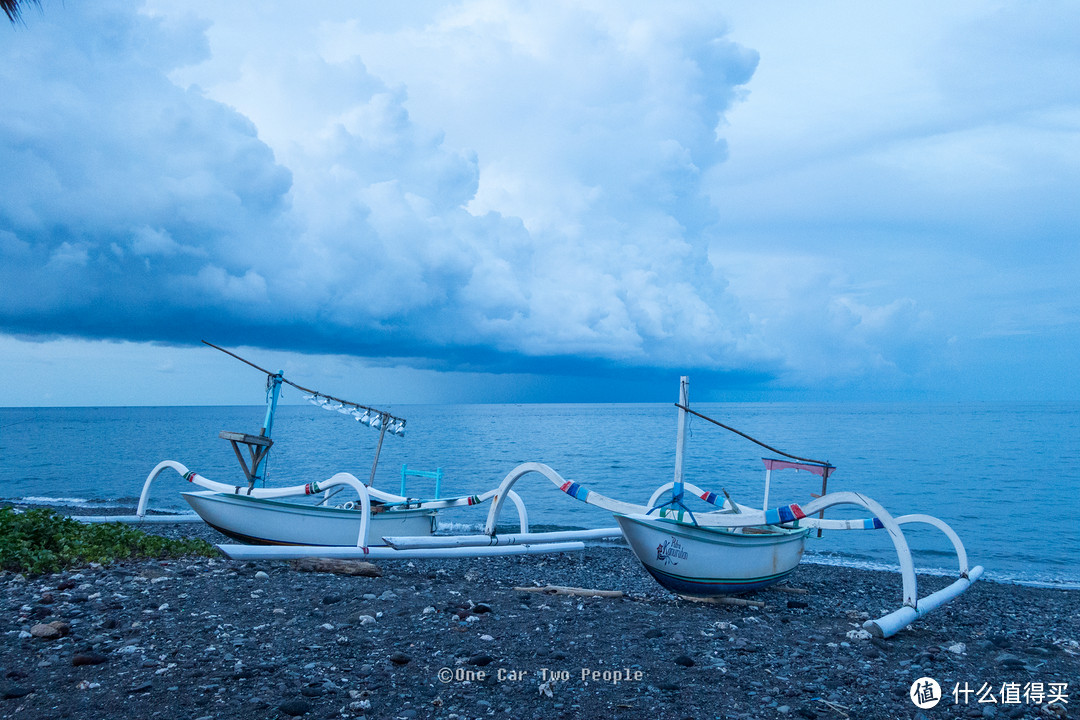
[(732, 549)]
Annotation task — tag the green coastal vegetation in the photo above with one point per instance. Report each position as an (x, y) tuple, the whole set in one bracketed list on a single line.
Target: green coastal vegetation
[(40, 541)]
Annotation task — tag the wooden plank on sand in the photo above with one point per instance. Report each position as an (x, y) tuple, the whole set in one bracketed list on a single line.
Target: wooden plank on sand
[(724, 600), (563, 590), (333, 565)]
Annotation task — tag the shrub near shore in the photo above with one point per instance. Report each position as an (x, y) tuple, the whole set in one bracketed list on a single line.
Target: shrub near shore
[(40, 541)]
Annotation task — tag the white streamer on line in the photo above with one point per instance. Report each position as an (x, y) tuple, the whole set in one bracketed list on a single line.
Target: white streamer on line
[(367, 417)]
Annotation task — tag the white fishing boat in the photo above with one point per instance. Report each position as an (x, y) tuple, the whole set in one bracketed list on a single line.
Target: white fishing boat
[(265, 521), (700, 561), (736, 548), (301, 516), (689, 559)]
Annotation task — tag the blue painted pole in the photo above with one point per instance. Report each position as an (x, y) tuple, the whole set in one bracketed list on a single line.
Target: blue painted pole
[(272, 395)]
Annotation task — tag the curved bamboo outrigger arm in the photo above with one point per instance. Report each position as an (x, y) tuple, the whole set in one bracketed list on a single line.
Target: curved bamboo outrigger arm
[(958, 546), (572, 489)]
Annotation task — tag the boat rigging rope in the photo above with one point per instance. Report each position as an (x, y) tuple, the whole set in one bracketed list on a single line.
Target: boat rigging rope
[(304, 389), (758, 442)]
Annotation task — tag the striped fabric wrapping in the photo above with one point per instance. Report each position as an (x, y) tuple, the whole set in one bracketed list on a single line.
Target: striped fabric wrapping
[(872, 524), (312, 488), (576, 491), (709, 497), (784, 514)]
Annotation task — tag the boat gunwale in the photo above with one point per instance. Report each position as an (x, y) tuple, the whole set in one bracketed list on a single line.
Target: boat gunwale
[(717, 536), (302, 509)]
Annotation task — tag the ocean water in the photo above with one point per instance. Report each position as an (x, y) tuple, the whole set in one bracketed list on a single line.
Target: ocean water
[(1006, 477)]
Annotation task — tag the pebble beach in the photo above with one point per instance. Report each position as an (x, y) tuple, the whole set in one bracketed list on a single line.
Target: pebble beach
[(207, 638)]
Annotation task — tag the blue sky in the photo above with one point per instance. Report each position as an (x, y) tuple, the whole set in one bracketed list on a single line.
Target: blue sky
[(508, 202)]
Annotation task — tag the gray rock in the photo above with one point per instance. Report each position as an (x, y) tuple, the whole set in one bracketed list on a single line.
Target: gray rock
[(295, 707), (1008, 660), (88, 658), (45, 632), (11, 691)]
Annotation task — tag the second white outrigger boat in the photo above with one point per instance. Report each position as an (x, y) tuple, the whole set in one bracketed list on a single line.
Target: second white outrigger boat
[(737, 548)]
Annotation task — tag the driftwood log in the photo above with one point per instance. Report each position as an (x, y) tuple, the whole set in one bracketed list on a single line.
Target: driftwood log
[(724, 600), (341, 567), (563, 590)]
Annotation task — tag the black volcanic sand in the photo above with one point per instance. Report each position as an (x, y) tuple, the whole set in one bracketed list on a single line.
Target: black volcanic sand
[(213, 638)]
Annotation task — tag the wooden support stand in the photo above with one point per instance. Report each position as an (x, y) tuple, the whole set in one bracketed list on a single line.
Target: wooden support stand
[(257, 446)]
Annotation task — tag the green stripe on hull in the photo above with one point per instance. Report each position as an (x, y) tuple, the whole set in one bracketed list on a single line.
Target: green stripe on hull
[(714, 586)]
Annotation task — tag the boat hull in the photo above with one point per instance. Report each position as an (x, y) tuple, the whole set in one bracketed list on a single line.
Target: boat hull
[(263, 521), (691, 560)]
